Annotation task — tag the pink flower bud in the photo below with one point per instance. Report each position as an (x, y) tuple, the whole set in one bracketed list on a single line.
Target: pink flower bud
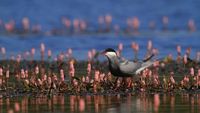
[(7, 74), (49, 80), (44, 77), (36, 70), (32, 51), (137, 47), (42, 47), (188, 50), (75, 82), (1, 72), (165, 20), (19, 57), (172, 80), (3, 50), (185, 59), (108, 18), (49, 53), (1, 81), (89, 68), (149, 46), (120, 47), (101, 20), (62, 73), (83, 79), (96, 75), (102, 76), (87, 80), (22, 73), (89, 55), (178, 48), (192, 71), (198, 72), (93, 52)]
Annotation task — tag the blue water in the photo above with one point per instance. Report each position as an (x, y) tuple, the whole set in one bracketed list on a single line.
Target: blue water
[(48, 13), (82, 44)]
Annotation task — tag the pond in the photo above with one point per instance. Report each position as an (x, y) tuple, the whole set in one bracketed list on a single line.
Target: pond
[(124, 103)]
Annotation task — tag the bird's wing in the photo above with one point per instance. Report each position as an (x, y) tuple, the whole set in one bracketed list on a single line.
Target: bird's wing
[(128, 67), (143, 66)]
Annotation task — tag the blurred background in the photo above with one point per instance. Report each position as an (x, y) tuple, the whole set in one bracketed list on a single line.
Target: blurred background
[(84, 25)]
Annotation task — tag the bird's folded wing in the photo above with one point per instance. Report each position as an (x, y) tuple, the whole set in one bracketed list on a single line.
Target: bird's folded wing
[(144, 65), (128, 67)]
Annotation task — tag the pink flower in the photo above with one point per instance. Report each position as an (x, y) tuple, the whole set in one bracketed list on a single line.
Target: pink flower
[(192, 71), (185, 59), (49, 53), (178, 48), (1, 72), (120, 47), (149, 45), (7, 74), (3, 50), (42, 47)]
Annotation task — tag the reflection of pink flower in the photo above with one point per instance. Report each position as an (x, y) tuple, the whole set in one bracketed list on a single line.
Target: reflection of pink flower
[(81, 105), (10, 111), (156, 102), (17, 107)]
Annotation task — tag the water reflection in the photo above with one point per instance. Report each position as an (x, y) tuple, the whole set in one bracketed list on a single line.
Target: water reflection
[(137, 103)]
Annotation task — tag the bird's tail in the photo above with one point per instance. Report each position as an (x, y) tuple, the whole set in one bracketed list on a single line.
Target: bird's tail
[(147, 59)]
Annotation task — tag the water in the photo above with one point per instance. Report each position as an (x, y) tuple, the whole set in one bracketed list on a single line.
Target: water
[(129, 103), (81, 44), (48, 14)]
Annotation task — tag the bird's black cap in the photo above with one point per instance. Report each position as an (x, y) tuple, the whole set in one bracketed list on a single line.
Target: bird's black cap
[(109, 50)]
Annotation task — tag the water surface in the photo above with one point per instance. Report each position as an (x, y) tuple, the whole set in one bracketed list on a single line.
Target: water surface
[(128, 103)]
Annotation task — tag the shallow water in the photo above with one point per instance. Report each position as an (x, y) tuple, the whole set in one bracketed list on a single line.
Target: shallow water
[(81, 44), (129, 103)]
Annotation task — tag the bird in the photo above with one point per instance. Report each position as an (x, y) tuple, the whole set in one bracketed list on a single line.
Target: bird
[(125, 68)]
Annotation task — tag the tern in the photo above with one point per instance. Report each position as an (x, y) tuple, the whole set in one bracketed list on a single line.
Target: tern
[(125, 68)]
